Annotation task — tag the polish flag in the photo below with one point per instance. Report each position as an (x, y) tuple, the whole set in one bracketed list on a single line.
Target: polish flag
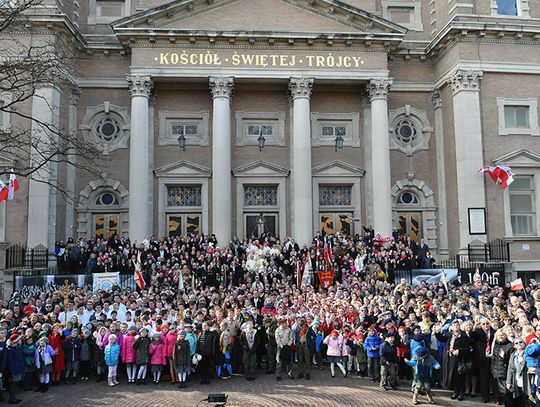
[(516, 285), (500, 174), (4, 192), (328, 256), (298, 274), (138, 277), (13, 186)]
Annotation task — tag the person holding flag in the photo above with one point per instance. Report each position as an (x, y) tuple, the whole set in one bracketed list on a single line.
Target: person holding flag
[(138, 277)]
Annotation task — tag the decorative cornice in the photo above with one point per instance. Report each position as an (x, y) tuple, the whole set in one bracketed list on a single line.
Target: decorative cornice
[(379, 88), (465, 80), (300, 87), (436, 99), (140, 85), (221, 86)]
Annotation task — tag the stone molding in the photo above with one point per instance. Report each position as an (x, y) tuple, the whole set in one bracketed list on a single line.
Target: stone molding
[(301, 87), (140, 85), (74, 96), (465, 80), (379, 88), (221, 86), (436, 99)]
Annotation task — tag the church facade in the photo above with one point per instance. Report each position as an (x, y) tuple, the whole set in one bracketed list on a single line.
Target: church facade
[(238, 117)]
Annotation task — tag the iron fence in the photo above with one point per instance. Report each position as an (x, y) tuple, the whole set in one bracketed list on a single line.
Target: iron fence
[(18, 256)]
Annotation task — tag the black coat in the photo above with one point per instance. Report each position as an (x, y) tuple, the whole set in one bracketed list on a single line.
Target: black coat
[(479, 346), (206, 343), (450, 362), (499, 364)]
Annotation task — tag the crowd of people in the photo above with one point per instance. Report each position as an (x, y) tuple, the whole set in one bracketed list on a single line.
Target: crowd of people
[(207, 312)]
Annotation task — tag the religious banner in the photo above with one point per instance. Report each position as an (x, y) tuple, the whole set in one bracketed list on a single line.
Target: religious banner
[(106, 281), (326, 278)]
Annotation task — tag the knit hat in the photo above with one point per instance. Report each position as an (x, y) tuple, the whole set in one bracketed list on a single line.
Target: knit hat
[(418, 337), (14, 337), (360, 336), (529, 338), (422, 352), (390, 335), (334, 332), (42, 334), (133, 328), (182, 332), (143, 329), (166, 326)]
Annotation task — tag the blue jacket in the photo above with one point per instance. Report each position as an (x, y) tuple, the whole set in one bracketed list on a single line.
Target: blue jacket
[(15, 361), (415, 345), (112, 354), (192, 339), (311, 338), (319, 341), (532, 352), (423, 367), (372, 345)]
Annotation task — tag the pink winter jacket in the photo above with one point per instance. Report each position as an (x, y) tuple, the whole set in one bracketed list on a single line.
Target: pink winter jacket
[(127, 351), (335, 346), (168, 343), (157, 352)]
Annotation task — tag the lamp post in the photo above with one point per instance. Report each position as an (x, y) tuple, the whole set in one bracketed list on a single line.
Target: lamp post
[(182, 142), (339, 142)]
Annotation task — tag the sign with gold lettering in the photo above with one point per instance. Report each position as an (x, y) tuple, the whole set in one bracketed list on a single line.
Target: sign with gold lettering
[(259, 59)]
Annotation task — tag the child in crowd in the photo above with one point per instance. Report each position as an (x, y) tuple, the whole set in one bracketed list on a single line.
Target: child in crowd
[(127, 353), (85, 357), (15, 363), (423, 364), (101, 337), (29, 349), (43, 360), (72, 354), (168, 337), (388, 352), (182, 358), (372, 345), (142, 355), (157, 357), (334, 341), (360, 359), (112, 356)]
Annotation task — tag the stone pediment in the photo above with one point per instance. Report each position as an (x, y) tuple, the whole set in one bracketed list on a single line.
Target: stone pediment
[(183, 168), (337, 168), (261, 169), (261, 16), (519, 158)]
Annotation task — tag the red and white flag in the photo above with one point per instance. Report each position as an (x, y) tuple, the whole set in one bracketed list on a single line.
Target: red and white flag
[(138, 277), (328, 256), (4, 192), (500, 174), (516, 285), (13, 185), (299, 274)]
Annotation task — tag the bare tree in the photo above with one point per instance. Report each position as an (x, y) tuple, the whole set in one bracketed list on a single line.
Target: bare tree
[(35, 56)]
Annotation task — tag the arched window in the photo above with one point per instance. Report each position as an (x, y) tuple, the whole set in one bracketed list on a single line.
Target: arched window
[(408, 198)]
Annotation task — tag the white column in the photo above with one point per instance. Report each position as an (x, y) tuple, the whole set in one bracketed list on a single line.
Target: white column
[(302, 213), (41, 196), (221, 88), (442, 243), (380, 156), (465, 87), (70, 170), (140, 87)]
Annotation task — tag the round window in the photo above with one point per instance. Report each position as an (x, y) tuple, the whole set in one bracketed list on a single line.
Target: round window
[(405, 131), (107, 199), (108, 128), (407, 198)]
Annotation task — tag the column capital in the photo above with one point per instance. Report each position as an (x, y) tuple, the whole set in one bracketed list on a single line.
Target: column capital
[(140, 85), (464, 79), (221, 86), (379, 88), (75, 95), (436, 99), (300, 87)]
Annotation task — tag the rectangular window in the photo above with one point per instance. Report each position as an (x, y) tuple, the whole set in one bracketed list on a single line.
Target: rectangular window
[(333, 131), (185, 129), (335, 195), (260, 195), (516, 117), (523, 206), (184, 195), (109, 10), (507, 7), (260, 129)]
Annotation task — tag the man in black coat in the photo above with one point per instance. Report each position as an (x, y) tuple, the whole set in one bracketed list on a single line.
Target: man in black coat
[(483, 336), (206, 347)]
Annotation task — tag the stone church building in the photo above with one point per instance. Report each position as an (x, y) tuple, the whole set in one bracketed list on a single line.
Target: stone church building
[(238, 117)]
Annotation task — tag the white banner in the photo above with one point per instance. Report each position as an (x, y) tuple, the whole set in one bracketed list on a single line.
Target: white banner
[(106, 281)]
